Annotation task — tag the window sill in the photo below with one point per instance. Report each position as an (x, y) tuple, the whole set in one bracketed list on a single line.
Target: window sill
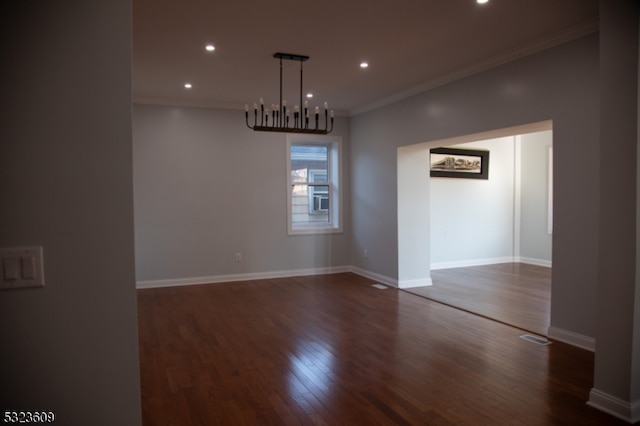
[(309, 230)]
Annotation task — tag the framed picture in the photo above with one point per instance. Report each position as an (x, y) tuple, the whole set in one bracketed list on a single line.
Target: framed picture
[(459, 163)]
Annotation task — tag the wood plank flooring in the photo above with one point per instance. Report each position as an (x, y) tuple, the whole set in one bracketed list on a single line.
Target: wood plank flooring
[(517, 294), (333, 350)]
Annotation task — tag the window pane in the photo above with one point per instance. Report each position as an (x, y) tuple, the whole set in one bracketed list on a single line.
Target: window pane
[(308, 163), (300, 174), (308, 207), (318, 176)]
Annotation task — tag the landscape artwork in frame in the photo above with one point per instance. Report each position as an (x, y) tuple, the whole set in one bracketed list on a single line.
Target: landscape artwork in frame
[(459, 163)]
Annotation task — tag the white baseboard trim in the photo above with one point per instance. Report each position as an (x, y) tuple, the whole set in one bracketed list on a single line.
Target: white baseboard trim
[(390, 281), (571, 338), (419, 282), (533, 261), (624, 410), (490, 261), (374, 276), (215, 279), (471, 262)]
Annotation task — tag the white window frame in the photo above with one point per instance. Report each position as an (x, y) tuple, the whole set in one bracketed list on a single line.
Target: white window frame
[(334, 181)]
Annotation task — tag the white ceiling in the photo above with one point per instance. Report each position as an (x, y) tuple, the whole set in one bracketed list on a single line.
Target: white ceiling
[(410, 45)]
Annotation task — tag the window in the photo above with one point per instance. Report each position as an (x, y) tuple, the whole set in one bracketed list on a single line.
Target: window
[(313, 181)]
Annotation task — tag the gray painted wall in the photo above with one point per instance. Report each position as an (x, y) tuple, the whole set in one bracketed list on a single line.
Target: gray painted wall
[(558, 84), (66, 184), (535, 241), (617, 361), (207, 187)]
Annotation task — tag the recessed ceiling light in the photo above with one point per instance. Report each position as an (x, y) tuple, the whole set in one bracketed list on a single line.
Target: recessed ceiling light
[(309, 95), (364, 65), (482, 1), (210, 47), (188, 86)]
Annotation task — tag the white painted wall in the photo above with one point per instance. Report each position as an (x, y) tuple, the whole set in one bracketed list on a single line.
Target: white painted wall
[(66, 184), (472, 220), (502, 219), (207, 187), (413, 211)]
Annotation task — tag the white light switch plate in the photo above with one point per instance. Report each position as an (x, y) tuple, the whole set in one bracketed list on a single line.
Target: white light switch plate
[(22, 267)]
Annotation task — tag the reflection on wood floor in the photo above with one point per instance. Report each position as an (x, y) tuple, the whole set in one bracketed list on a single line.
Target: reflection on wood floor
[(517, 294), (333, 350)]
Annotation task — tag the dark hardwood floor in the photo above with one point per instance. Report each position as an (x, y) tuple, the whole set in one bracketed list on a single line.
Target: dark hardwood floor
[(333, 350), (517, 294)]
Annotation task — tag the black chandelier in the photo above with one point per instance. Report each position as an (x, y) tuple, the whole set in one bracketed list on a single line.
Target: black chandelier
[(278, 119)]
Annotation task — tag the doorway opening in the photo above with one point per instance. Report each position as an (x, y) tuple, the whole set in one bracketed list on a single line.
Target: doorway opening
[(481, 245)]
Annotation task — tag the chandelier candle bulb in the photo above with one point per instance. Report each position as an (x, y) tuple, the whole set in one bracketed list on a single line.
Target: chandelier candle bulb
[(317, 119)]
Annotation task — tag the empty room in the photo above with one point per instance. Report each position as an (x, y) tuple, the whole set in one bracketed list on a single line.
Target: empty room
[(238, 212)]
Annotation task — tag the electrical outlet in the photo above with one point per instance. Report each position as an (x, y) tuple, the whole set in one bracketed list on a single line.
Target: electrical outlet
[(238, 257), (366, 254)]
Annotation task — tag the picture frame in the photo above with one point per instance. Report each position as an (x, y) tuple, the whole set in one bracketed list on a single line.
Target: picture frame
[(459, 163)]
